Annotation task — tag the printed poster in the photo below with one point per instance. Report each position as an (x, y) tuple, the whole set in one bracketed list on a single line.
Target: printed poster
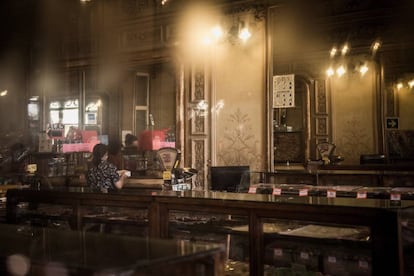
[(284, 91)]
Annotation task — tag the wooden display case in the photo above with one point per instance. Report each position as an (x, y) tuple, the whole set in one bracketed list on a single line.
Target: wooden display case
[(380, 220), (60, 252)]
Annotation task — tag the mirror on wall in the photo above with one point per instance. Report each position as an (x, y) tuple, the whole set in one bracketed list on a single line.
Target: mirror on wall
[(291, 127), (398, 101), (68, 114), (359, 60), (149, 100)]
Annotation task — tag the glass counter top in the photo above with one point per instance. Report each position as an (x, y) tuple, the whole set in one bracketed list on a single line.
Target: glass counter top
[(85, 253), (309, 199), (292, 199)]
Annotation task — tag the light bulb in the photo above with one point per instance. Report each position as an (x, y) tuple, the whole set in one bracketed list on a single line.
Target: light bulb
[(244, 34)]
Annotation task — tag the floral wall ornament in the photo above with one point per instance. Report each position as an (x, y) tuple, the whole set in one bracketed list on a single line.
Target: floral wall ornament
[(239, 145), (354, 141)]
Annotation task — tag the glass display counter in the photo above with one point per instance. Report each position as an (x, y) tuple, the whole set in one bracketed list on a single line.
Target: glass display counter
[(262, 233), (42, 251), (334, 175)]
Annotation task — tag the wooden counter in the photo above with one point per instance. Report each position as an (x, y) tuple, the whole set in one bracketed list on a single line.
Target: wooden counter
[(381, 217), (144, 183)]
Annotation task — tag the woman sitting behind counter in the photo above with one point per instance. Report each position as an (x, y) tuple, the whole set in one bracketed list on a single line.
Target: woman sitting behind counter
[(103, 175)]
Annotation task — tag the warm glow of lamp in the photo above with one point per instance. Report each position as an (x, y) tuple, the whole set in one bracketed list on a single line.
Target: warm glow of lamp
[(399, 85), (340, 71), (206, 40), (333, 52), (375, 46), (244, 34), (345, 49), (3, 93), (363, 69), (411, 83), (217, 32), (330, 72)]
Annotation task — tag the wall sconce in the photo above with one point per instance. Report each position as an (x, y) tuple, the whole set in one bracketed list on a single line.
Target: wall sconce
[(340, 71), (375, 46), (330, 72), (341, 64), (238, 32), (405, 84), (244, 33), (333, 51), (345, 49), (363, 69), (3, 93)]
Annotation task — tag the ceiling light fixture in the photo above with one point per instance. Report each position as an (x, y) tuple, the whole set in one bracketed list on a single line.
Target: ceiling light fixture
[(345, 49), (330, 72), (340, 71), (363, 69), (333, 52), (375, 46), (244, 33)]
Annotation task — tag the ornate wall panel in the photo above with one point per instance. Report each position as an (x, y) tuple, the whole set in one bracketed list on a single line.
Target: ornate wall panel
[(198, 116), (321, 126), (135, 8), (321, 116), (199, 151), (139, 39), (321, 107)]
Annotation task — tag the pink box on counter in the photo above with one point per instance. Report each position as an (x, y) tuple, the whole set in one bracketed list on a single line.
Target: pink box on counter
[(151, 139), (89, 136), (167, 144), (69, 147), (79, 147)]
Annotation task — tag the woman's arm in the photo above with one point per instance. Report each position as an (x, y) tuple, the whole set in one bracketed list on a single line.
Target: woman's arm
[(122, 176)]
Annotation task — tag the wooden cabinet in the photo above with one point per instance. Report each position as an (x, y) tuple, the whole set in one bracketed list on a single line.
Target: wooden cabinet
[(290, 129), (289, 147), (60, 169)]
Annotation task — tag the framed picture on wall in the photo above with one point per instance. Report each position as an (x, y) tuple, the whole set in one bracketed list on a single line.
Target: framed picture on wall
[(91, 118)]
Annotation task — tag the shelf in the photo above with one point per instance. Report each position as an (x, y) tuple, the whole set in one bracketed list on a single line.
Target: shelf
[(286, 131)]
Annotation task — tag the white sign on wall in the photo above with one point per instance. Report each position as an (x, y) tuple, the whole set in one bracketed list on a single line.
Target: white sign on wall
[(284, 91)]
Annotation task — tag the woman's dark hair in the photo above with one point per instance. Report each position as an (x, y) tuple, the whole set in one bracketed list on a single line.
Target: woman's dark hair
[(98, 152), (114, 147), (129, 139)]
